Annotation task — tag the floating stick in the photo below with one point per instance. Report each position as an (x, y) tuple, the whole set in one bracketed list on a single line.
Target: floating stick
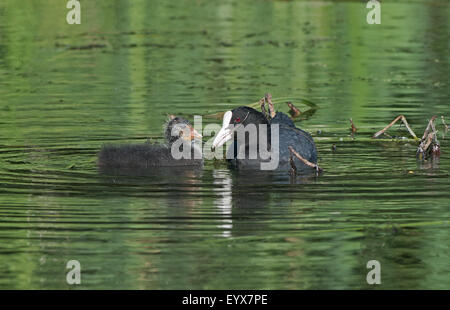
[(306, 162), (392, 123)]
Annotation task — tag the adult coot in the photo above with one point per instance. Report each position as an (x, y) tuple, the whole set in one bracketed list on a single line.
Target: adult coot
[(180, 136), (239, 153)]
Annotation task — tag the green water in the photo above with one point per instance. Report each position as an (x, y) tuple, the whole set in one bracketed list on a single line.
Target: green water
[(65, 90)]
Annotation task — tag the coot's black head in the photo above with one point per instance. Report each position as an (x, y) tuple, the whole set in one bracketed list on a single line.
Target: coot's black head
[(178, 127), (232, 119)]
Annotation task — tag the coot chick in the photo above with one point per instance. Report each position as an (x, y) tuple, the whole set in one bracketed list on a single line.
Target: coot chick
[(289, 135), (179, 134)]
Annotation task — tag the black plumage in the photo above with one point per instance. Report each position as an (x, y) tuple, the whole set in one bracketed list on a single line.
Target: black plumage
[(146, 155), (289, 135)]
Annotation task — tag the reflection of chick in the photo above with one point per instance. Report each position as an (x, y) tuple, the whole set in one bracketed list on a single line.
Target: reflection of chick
[(150, 155)]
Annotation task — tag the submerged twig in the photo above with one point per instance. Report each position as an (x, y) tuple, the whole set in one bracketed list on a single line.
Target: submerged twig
[(353, 128), (293, 170), (392, 124), (306, 162), (387, 135)]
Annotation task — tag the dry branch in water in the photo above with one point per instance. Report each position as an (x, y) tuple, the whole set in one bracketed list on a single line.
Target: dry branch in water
[(262, 103), (429, 126), (306, 162), (268, 98), (293, 110), (392, 124), (429, 143)]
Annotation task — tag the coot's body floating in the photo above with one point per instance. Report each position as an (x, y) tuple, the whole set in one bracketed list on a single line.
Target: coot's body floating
[(289, 135), (147, 155)]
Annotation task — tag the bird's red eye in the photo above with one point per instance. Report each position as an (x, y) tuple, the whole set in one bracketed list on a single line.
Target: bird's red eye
[(238, 119)]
